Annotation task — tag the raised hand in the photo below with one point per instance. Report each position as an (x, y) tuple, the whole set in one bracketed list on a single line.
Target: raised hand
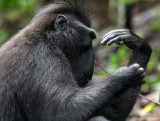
[(122, 36)]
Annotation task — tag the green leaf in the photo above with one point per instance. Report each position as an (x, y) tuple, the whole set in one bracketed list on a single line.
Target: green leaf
[(158, 9), (3, 35), (146, 109), (101, 73), (128, 1), (154, 25), (13, 15)]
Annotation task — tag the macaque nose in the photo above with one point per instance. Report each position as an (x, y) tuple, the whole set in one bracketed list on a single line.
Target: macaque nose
[(92, 34)]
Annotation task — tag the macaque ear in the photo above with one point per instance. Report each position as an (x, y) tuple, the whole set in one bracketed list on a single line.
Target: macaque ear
[(61, 23)]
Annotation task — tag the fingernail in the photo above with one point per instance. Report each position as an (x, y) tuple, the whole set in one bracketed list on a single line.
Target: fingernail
[(102, 42), (141, 69), (108, 43)]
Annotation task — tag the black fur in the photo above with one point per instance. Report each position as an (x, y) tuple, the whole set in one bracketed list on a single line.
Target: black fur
[(44, 73), (74, 7)]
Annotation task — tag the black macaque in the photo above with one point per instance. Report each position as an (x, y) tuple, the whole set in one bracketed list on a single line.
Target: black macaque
[(45, 70)]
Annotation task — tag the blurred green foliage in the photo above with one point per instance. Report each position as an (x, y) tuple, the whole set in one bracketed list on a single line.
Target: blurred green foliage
[(23, 5), (154, 24), (3, 35), (116, 60), (128, 1), (15, 14)]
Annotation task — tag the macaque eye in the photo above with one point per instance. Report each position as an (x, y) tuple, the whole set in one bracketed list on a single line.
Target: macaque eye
[(61, 23)]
